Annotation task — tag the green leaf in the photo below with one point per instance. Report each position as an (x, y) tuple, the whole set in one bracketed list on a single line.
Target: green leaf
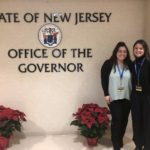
[(75, 122), (18, 126)]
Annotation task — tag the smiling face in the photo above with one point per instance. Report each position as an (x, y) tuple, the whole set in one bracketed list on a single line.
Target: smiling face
[(138, 50), (122, 53)]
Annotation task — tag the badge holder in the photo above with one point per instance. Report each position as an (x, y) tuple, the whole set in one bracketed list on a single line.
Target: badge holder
[(138, 88), (120, 88)]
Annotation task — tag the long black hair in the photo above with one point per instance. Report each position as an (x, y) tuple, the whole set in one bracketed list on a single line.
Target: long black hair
[(145, 46), (113, 58)]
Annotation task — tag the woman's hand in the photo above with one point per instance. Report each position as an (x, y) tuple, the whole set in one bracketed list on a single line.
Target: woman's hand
[(108, 99)]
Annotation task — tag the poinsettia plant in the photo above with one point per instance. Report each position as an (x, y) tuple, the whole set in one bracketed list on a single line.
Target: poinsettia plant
[(92, 120), (10, 121)]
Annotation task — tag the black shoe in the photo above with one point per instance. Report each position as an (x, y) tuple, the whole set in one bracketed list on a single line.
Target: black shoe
[(121, 145), (138, 148), (116, 148)]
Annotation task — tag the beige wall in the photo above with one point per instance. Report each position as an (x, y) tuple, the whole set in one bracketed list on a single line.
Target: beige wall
[(49, 99), (147, 21)]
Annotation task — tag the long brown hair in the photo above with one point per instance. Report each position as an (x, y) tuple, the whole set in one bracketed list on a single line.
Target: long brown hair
[(145, 46), (113, 58)]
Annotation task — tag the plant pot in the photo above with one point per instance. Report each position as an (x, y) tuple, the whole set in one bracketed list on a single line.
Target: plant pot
[(92, 141), (4, 142)]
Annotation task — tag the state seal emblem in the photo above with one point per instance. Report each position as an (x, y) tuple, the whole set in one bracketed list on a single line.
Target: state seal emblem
[(50, 35)]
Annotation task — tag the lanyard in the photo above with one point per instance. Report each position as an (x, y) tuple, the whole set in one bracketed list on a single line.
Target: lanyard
[(139, 70), (120, 72)]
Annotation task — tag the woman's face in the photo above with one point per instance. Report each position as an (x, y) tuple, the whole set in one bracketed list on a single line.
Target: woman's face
[(138, 50), (122, 53)]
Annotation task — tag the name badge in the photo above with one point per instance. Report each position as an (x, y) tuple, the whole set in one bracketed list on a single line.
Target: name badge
[(138, 88), (121, 88)]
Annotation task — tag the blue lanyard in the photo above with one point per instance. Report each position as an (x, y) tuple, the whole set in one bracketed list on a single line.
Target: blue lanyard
[(138, 71), (120, 72)]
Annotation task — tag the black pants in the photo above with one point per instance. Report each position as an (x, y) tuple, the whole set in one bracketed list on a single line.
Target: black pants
[(140, 109), (119, 110)]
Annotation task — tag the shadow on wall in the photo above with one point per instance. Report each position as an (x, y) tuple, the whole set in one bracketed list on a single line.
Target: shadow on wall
[(104, 142), (19, 138), (90, 87)]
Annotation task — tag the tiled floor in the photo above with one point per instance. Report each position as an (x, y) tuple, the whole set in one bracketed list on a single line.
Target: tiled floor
[(64, 142)]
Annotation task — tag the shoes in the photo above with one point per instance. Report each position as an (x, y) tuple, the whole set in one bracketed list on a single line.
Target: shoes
[(138, 148), (121, 145), (117, 148)]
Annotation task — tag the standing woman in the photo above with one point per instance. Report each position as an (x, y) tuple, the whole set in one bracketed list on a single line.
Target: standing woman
[(140, 97), (116, 84)]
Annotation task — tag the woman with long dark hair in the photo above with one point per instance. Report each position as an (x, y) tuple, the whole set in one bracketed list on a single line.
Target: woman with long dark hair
[(140, 97), (116, 84)]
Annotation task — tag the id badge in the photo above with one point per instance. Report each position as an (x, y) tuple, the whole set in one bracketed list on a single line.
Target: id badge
[(138, 88), (120, 88)]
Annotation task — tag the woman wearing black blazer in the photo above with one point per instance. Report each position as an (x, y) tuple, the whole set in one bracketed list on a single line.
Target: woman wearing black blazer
[(140, 97), (116, 84)]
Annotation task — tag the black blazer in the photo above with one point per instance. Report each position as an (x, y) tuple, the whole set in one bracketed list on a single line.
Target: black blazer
[(144, 77), (105, 72)]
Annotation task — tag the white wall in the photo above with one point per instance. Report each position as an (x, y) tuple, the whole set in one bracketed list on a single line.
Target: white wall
[(49, 99)]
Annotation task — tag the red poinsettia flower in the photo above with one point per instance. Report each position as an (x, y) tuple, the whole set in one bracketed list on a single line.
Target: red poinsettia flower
[(87, 120), (91, 119), (102, 119), (10, 120)]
